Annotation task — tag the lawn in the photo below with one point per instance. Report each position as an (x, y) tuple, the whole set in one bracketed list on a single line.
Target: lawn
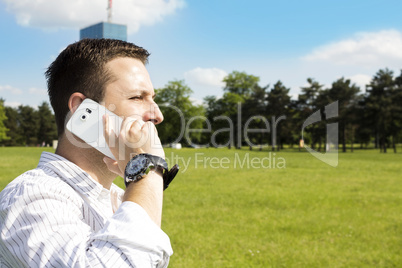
[(240, 208)]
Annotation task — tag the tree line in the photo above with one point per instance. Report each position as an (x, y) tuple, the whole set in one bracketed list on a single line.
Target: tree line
[(372, 116), (26, 126)]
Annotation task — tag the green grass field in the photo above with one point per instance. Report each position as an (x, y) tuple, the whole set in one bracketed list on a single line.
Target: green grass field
[(305, 214)]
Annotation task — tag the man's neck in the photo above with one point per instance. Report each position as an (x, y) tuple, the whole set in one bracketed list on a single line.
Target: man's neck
[(89, 159)]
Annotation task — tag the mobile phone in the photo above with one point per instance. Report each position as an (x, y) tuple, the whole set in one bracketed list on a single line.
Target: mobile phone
[(87, 124)]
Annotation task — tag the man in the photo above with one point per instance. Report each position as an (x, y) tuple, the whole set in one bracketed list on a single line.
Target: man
[(67, 212)]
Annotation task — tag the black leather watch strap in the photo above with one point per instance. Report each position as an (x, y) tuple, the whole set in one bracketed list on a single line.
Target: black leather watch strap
[(168, 176)]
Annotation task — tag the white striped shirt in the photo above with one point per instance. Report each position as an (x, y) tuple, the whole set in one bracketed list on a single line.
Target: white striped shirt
[(57, 216)]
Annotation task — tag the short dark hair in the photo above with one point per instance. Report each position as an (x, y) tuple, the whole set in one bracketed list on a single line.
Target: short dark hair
[(81, 68)]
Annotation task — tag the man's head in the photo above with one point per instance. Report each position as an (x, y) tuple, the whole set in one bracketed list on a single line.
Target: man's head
[(81, 67)]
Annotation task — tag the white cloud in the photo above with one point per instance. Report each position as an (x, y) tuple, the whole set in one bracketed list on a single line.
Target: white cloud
[(51, 14), (10, 89), (12, 104), (196, 101), (294, 96), (206, 76), (37, 91), (361, 80), (381, 48)]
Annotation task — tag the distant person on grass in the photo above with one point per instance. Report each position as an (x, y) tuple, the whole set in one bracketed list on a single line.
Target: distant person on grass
[(67, 212)]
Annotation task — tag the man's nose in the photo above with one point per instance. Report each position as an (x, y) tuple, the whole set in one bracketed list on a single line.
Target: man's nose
[(153, 114)]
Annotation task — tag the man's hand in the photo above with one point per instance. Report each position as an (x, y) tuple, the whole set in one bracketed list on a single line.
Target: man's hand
[(135, 137)]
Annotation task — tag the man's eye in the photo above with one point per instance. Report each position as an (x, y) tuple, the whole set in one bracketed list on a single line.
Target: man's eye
[(136, 98)]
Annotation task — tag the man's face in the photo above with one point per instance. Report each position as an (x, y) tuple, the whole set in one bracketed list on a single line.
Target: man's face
[(130, 91)]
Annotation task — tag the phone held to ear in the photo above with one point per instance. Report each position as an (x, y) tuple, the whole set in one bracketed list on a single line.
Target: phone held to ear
[(87, 124)]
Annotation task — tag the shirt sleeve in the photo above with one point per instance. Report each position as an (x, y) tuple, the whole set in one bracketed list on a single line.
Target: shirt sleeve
[(46, 229), (137, 236)]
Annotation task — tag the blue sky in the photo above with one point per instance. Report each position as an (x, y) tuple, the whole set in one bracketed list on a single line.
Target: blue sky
[(202, 41)]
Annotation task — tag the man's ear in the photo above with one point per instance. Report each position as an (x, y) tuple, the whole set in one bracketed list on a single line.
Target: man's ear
[(75, 100)]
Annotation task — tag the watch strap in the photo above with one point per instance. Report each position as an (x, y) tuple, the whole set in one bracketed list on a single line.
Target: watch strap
[(168, 175), (159, 163)]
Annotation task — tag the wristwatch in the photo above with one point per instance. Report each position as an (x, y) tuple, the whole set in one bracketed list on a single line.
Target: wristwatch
[(141, 164)]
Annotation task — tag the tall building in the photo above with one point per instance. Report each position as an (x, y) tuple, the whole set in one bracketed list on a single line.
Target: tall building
[(105, 30)]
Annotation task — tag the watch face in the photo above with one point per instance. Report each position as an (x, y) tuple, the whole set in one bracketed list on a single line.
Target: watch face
[(137, 165)]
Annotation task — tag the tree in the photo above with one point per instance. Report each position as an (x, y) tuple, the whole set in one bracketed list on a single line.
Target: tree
[(47, 131), (240, 83), (396, 111), (309, 101), (254, 110), (346, 94), (240, 88), (310, 93), (378, 104), (3, 118), (223, 112), (12, 123), (279, 107), (178, 109), (364, 131), (29, 124)]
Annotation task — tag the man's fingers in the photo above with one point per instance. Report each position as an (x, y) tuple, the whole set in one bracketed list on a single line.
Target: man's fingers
[(130, 129), (135, 131), (135, 136)]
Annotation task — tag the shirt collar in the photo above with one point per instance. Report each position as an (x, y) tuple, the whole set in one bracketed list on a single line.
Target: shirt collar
[(72, 174)]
